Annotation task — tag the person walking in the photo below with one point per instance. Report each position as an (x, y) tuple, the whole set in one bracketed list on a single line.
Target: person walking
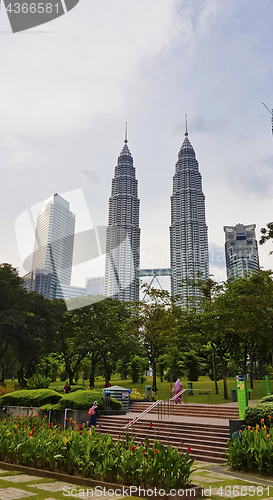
[(93, 414)]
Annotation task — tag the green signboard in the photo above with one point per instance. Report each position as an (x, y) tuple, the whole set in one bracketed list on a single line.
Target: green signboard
[(267, 385), (242, 395)]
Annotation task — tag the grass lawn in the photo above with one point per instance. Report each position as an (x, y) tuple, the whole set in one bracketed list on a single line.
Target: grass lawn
[(164, 389)]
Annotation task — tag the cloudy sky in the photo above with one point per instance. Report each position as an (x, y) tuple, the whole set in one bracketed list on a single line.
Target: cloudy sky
[(68, 87)]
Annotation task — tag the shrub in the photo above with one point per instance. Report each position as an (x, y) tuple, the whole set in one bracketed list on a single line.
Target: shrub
[(254, 414), (82, 400), (74, 388), (36, 397), (267, 399), (38, 382), (115, 404)]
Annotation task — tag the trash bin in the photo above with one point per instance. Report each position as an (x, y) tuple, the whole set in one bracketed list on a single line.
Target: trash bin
[(233, 395), (106, 399), (119, 393), (190, 391), (235, 426), (148, 391)]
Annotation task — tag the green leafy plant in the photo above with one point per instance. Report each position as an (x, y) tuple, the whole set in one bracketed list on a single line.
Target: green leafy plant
[(252, 451), (38, 382), (36, 398), (33, 442)]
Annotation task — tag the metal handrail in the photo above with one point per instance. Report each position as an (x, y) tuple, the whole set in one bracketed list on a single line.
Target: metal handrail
[(154, 405)]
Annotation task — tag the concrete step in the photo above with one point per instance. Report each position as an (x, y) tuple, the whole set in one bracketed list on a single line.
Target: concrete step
[(173, 432), (203, 411), (208, 442), (175, 426)]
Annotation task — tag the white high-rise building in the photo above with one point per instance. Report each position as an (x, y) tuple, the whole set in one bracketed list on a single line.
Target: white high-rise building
[(188, 230), (241, 250), (95, 285), (54, 240), (123, 232)]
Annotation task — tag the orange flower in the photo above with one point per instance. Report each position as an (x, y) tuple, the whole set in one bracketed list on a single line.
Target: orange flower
[(268, 436), (249, 428), (71, 419), (240, 431), (65, 418), (269, 416), (264, 427)]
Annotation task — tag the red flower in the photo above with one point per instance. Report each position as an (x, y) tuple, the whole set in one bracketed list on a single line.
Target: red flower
[(30, 434), (120, 437), (133, 448), (18, 419), (189, 449), (33, 431), (80, 432), (182, 442), (151, 425), (156, 451)]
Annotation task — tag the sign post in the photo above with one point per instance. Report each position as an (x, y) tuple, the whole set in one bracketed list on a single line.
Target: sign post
[(241, 382), (267, 385)]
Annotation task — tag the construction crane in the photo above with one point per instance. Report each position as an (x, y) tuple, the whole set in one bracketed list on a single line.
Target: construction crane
[(271, 112)]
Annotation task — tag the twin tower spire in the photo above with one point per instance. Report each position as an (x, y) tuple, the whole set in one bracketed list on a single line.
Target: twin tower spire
[(188, 230)]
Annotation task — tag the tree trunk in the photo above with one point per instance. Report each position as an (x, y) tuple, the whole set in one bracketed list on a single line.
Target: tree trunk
[(272, 347), (245, 360), (214, 373), (92, 377), (224, 372), (154, 373), (251, 369)]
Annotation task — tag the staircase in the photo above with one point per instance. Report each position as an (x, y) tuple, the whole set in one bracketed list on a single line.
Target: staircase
[(208, 442), (194, 410)]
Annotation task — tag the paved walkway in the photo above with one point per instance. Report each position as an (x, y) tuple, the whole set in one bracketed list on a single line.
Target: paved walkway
[(217, 482)]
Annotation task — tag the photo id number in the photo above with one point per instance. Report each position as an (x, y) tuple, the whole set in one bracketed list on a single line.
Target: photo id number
[(33, 8)]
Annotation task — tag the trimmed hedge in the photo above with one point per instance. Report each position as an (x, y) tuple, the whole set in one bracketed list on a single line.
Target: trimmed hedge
[(46, 398), (74, 388), (267, 399), (35, 397), (83, 400), (254, 414)]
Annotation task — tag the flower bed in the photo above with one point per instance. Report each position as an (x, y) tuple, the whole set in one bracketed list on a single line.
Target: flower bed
[(253, 450), (30, 441)]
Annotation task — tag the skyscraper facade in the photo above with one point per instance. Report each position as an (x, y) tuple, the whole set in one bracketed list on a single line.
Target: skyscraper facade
[(188, 230), (241, 249), (54, 240), (123, 232)]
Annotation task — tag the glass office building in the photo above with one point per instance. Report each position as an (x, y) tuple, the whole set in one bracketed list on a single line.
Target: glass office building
[(188, 230), (123, 232)]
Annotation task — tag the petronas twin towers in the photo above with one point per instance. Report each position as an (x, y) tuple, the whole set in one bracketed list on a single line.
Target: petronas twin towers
[(188, 230)]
